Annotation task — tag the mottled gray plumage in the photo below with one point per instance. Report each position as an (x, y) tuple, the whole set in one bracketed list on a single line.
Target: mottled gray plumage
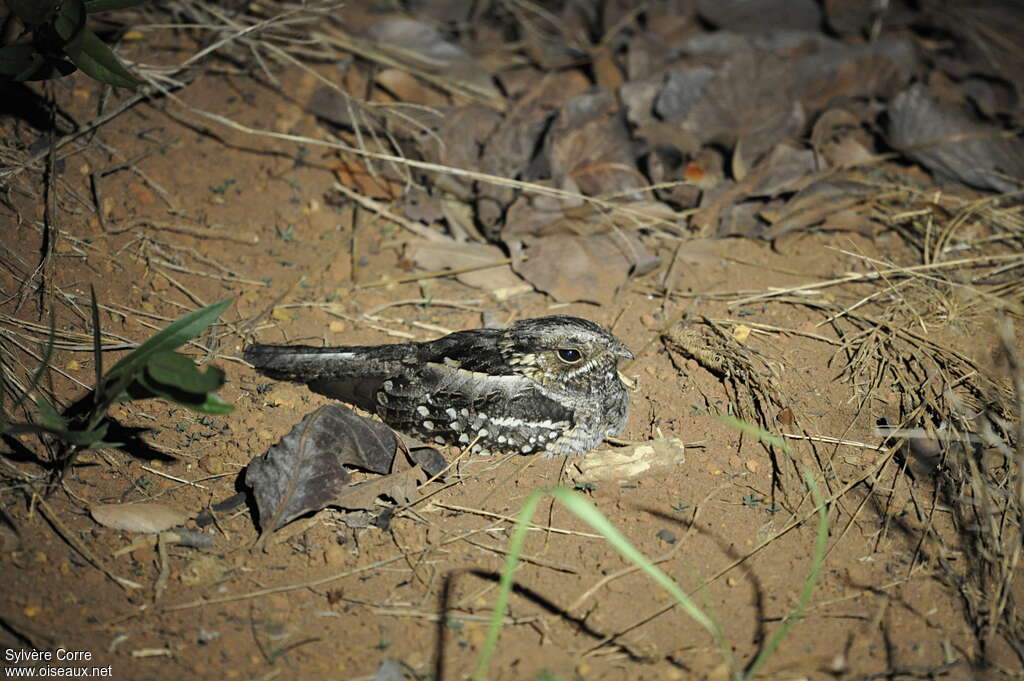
[(548, 385)]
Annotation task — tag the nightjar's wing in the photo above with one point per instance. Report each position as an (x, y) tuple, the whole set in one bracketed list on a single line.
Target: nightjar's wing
[(449, 405), (355, 374)]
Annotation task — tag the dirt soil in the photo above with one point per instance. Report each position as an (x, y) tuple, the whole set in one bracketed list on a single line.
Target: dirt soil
[(731, 522)]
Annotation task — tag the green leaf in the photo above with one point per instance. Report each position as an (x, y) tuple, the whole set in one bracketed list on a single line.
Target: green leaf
[(173, 369), (214, 406), (82, 439), (33, 13), (172, 337), (51, 419), (17, 58), (205, 403), (70, 21), (22, 61), (86, 439), (92, 55), (97, 341), (93, 6)]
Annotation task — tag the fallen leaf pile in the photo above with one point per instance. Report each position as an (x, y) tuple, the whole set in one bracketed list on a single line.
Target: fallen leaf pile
[(614, 125)]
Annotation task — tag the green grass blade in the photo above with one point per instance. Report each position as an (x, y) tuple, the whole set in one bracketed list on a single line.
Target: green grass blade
[(97, 341), (104, 5), (172, 337), (812, 578), (515, 549), (95, 59), (50, 417), (750, 429), (44, 364), (577, 504)]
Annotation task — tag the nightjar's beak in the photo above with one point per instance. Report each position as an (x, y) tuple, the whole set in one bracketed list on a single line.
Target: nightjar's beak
[(621, 350)]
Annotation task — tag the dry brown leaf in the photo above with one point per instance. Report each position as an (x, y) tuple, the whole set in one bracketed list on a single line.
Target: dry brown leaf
[(499, 281), (750, 98), (149, 517), (353, 174), (839, 140), (408, 89), (590, 268), (954, 145), (306, 472), (589, 143)]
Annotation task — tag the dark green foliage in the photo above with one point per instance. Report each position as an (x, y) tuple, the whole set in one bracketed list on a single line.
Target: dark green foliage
[(153, 369), (61, 42)]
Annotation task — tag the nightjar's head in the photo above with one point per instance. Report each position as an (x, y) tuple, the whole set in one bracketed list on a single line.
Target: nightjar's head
[(564, 352)]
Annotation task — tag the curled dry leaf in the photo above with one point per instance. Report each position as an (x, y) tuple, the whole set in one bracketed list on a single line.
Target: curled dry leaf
[(839, 140), (306, 470), (148, 517)]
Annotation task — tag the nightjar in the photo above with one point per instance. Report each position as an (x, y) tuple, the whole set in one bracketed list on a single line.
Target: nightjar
[(548, 385)]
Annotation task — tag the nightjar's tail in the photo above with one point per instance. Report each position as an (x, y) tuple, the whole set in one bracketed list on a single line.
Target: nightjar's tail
[(350, 374), (301, 363)]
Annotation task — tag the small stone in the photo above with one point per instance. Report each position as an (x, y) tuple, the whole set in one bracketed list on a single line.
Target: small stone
[(336, 327), (752, 465)]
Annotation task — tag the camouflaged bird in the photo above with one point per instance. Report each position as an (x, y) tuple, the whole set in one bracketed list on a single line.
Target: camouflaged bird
[(548, 385)]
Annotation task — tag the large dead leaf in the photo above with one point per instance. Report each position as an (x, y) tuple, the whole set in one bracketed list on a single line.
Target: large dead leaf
[(954, 145), (589, 142), (306, 471), (749, 99), (589, 268)]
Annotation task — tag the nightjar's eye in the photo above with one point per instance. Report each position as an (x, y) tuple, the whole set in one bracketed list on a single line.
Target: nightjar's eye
[(569, 355)]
